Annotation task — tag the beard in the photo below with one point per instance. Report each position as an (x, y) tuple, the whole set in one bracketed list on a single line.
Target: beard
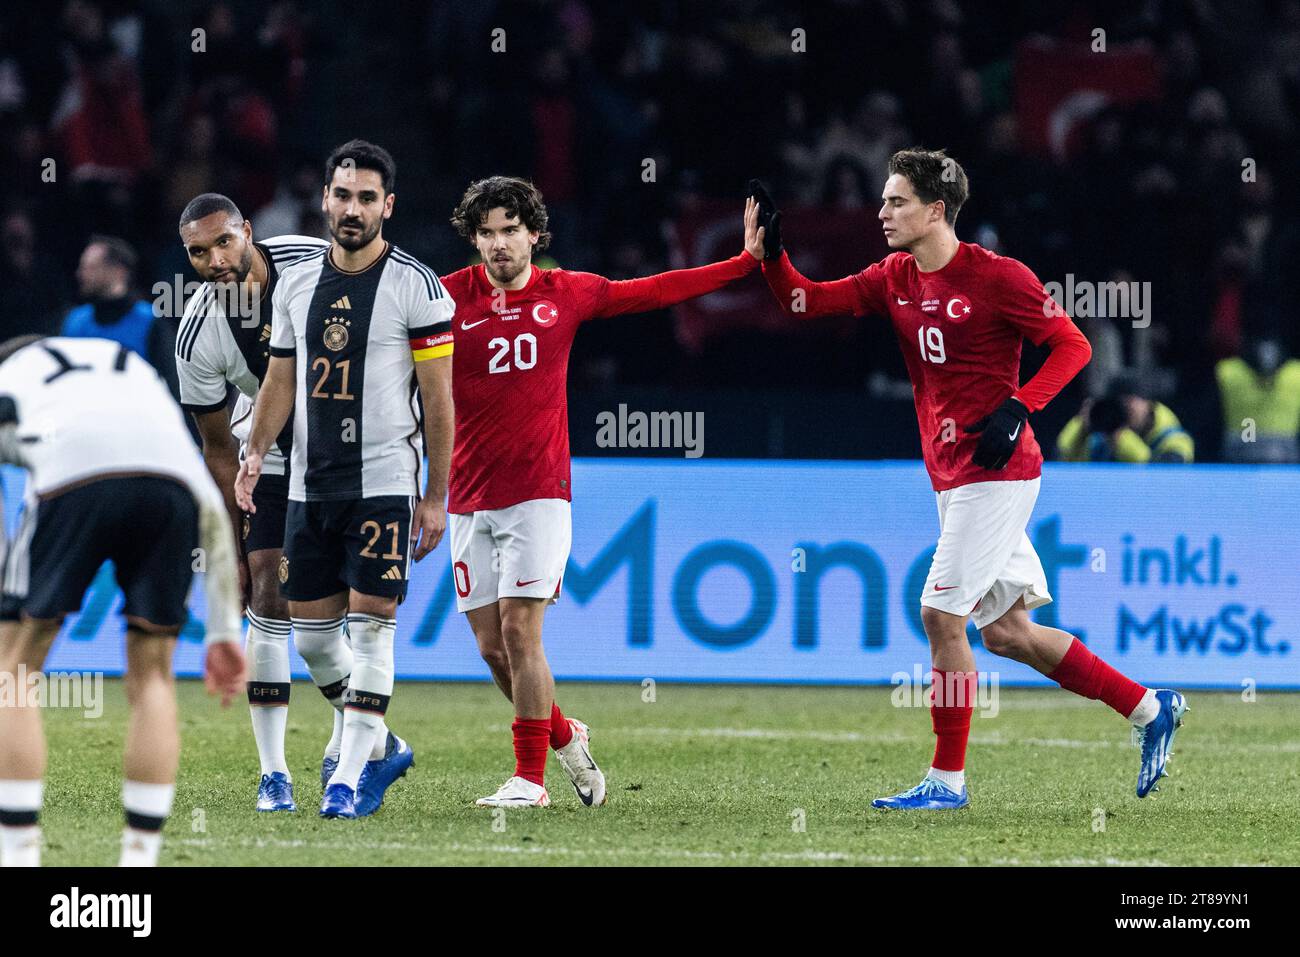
[(353, 242), (505, 272), (238, 272)]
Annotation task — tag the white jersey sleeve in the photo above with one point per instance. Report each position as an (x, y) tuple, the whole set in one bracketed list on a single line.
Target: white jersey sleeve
[(427, 309), (203, 382), (283, 342)]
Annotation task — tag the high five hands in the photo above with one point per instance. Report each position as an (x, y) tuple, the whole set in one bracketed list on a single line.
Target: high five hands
[(763, 231)]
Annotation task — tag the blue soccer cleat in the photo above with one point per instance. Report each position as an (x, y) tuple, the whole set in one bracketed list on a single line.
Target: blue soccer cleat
[(339, 801), (275, 793), (929, 795), (328, 765), (1157, 738), (378, 775)]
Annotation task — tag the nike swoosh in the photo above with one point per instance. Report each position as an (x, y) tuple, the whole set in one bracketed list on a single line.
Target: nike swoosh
[(1013, 435), (470, 325), (533, 581), (944, 587), (903, 302)]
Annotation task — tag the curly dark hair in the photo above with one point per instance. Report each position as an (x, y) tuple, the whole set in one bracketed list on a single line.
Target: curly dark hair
[(934, 176), (518, 197)]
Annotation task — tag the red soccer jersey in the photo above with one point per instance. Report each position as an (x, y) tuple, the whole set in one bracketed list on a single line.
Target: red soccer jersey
[(960, 329), (510, 372)]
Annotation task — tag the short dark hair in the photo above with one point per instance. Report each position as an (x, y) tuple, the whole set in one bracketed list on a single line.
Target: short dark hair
[(364, 155), (205, 204), (518, 197), (118, 252), (934, 176)]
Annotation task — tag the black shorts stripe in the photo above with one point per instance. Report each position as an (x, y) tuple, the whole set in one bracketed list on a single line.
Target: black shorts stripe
[(204, 409)]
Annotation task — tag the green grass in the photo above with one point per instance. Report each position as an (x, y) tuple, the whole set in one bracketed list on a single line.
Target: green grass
[(711, 775)]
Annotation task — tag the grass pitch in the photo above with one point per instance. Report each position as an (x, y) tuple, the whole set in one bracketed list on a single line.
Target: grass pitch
[(709, 775)]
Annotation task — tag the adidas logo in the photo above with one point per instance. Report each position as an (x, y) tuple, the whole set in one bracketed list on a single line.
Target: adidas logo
[(341, 304), (393, 574)]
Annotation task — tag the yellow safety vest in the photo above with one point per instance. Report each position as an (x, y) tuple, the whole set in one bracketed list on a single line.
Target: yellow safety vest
[(1165, 440)]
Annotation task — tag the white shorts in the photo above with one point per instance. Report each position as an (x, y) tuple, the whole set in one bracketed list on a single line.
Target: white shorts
[(515, 552), (984, 561)]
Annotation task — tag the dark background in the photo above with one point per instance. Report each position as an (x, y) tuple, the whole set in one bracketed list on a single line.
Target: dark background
[(1146, 187)]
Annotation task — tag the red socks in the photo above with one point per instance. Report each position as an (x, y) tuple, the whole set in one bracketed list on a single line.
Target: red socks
[(1085, 674), (532, 736), (561, 730), (952, 703)]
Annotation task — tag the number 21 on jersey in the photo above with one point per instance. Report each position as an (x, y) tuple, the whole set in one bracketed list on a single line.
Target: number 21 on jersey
[(930, 339)]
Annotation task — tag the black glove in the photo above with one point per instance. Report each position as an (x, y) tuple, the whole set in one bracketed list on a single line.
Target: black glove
[(1001, 431), (769, 219)]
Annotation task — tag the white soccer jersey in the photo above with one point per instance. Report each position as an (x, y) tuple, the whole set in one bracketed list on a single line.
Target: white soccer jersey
[(216, 346), (356, 338), (89, 408)]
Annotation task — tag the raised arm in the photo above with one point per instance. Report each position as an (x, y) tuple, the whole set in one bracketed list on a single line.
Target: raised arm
[(804, 299), (669, 288), (619, 297), (798, 296)]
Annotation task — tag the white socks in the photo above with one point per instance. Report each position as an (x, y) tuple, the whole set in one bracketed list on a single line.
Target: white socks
[(267, 650), (147, 807), (323, 647), (20, 831), (955, 780), (1146, 710), (369, 690)]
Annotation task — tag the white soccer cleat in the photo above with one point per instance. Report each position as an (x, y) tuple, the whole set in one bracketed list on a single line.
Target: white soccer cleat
[(517, 792), (575, 757)]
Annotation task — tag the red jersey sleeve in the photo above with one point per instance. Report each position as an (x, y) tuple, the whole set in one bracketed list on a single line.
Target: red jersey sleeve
[(857, 295), (610, 297), (1070, 353), (1026, 304)]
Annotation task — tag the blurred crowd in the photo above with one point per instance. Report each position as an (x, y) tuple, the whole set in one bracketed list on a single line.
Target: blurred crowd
[(114, 114)]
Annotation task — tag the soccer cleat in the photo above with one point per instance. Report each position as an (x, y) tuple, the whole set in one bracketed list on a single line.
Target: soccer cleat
[(517, 792), (575, 757), (339, 801), (1157, 738), (929, 795), (328, 765), (275, 793), (377, 776)]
